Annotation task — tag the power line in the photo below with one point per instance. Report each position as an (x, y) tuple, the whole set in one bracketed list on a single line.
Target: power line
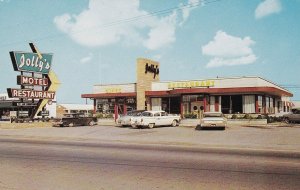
[(122, 21)]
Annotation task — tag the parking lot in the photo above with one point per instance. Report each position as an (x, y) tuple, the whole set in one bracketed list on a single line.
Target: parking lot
[(277, 137)]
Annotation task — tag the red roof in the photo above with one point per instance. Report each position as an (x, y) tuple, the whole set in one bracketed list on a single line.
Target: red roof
[(240, 90), (109, 95)]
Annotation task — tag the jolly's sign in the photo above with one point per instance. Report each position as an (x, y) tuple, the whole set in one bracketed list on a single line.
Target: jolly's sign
[(30, 62)]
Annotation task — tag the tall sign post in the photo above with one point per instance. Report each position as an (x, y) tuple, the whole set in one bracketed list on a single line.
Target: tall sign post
[(37, 80)]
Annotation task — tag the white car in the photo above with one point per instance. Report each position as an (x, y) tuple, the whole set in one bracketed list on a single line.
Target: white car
[(155, 118), (213, 120), (125, 120)]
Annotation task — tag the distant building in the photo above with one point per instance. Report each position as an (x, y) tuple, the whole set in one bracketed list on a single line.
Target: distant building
[(14, 104), (62, 109)]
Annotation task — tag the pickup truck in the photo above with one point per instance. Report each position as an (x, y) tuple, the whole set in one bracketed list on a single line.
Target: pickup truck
[(75, 119), (155, 118)]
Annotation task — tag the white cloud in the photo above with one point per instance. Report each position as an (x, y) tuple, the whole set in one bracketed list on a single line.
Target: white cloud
[(218, 62), (163, 33), (109, 22), (186, 11), (267, 7), (228, 50), (86, 59)]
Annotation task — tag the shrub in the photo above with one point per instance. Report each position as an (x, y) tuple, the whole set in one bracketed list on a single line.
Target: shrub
[(259, 117), (247, 116), (234, 116), (190, 116)]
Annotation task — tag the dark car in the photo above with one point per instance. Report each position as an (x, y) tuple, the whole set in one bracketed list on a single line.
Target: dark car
[(292, 117), (75, 119)]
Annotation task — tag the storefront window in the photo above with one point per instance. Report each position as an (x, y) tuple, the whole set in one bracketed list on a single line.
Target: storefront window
[(107, 105), (192, 105)]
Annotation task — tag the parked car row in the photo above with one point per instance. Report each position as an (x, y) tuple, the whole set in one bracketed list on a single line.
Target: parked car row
[(150, 119), (144, 119)]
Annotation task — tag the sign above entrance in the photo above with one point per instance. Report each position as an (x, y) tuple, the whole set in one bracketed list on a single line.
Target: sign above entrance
[(31, 62), (191, 84), (113, 90)]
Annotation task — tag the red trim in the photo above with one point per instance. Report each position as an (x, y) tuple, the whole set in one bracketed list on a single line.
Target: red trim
[(216, 103), (125, 109), (181, 106), (157, 93), (270, 90), (109, 95), (94, 106), (204, 102), (256, 104), (116, 112)]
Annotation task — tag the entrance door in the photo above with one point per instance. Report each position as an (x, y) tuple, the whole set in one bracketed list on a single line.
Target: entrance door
[(171, 105)]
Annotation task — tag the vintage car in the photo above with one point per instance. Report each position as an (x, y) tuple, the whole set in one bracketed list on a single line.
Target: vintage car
[(293, 117), (75, 119), (212, 120), (155, 118), (125, 120)]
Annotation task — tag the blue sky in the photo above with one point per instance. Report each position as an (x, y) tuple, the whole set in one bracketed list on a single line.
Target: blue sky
[(98, 41)]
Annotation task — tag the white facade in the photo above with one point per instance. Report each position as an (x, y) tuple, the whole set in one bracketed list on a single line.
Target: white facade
[(114, 88)]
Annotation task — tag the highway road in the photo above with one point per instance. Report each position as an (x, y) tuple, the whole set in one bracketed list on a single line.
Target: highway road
[(43, 164)]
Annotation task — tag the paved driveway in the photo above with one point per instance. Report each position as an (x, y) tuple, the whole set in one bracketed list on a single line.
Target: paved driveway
[(256, 137)]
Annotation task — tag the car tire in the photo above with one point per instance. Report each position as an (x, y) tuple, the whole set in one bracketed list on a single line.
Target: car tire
[(71, 125), (91, 123), (174, 123), (286, 120), (151, 125)]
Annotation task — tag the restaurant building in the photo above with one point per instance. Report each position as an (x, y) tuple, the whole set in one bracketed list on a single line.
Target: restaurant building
[(232, 95)]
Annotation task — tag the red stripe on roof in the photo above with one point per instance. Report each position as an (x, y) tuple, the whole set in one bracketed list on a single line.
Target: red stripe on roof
[(108, 95)]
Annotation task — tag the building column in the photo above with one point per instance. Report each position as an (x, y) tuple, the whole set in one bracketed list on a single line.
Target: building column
[(94, 111), (116, 111), (256, 104), (204, 103), (181, 106), (216, 103), (125, 108)]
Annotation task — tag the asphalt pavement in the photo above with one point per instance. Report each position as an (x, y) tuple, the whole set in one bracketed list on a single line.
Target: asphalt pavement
[(78, 165)]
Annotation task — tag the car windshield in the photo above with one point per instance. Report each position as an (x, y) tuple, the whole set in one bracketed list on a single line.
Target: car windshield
[(134, 113), (147, 114)]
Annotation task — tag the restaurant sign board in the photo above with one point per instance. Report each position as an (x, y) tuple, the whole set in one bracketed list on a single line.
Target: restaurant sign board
[(25, 80), (30, 62), (31, 94)]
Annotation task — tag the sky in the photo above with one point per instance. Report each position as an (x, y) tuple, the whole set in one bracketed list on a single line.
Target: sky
[(98, 41)]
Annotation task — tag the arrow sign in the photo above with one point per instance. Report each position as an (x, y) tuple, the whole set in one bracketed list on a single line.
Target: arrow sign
[(53, 81)]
